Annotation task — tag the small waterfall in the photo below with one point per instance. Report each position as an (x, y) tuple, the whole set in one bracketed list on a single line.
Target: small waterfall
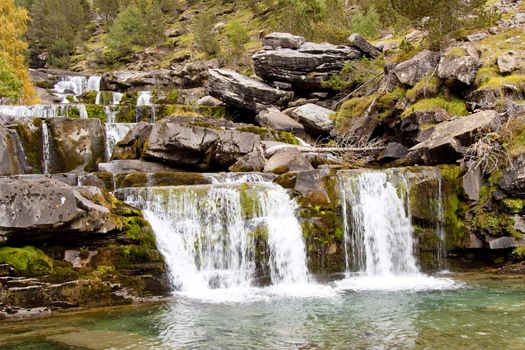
[(382, 234), (108, 98), (206, 233), (93, 83), (75, 85), (144, 99), (111, 114), (46, 149), (115, 132), (41, 111), (82, 111)]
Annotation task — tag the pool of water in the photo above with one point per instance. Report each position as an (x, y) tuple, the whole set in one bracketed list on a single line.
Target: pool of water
[(481, 312)]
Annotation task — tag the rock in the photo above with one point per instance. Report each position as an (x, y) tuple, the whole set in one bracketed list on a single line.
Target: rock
[(286, 160), (393, 151), (232, 145), (76, 144), (305, 68), (413, 70), (12, 156), (448, 140), (218, 27), (254, 161), (125, 79), (29, 208), (415, 36), (483, 99), (472, 181), (192, 74), (309, 185), (417, 119), (131, 146), (363, 45), (209, 101), (513, 179), (459, 69), (315, 119), (505, 243), (283, 40), (508, 63), (67, 178), (362, 127), (474, 242), (519, 223), (274, 119), (133, 165), (243, 92), (477, 37)]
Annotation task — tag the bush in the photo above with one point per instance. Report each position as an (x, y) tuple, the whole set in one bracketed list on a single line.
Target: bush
[(205, 39), (10, 84), (127, 30)]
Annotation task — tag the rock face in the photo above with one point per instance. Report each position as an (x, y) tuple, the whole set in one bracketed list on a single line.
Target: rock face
[(513, 180), (459, 69), (283, 40), (412, 71), (254, 161), (305, 67), (286, 160), (12, 157), (126, 79), (447, 141), (508, 63), (75, 144), (277, 120), (315, 119), (243, 92)]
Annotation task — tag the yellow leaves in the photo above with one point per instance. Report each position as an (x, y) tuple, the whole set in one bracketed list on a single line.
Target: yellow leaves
[(13, 24)]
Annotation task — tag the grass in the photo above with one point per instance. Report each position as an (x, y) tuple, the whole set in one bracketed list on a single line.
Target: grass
[(454, 106), (425, 88)]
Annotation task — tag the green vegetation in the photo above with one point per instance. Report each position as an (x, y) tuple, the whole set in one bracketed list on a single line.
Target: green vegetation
[(454, 106), (426, 88), (27, 261)]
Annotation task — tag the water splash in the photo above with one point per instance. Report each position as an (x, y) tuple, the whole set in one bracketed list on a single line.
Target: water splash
[(115, 132)]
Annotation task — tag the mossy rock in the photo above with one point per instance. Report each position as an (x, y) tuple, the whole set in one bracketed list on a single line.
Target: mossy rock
[(269, 134), (131, 180), (179, 179), (30, 134), (27, 261), (89, 97), (96, 111)]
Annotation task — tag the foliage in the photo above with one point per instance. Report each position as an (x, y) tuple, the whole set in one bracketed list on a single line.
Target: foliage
[(14, 80), (206, 40), (425, 88), (366, 23)]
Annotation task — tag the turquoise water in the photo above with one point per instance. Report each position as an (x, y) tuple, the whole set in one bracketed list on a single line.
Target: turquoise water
[(478, 313)]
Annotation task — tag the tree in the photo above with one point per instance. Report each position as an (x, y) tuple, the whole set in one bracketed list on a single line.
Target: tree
[(15, 82), (57, 27)]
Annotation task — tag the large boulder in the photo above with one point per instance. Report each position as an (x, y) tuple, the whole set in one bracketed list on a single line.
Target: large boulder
[(461, 69), (243, 92), (274, 119), (306, 67), (316, 119), (12, 157), (193, 74), (513, 179), (362, 127), (413, 70), (133, 165), (125, 79), (363, 45), (449, 139), (38, 207), (254, 161), (286, 160), (75, 144), (508, 63)]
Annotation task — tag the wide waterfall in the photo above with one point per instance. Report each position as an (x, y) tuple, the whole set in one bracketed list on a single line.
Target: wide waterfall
[(208, 234), (379, 236)]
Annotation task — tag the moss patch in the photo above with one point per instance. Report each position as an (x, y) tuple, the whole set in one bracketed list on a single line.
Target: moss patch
[(269, 134), (454, 106), (27, 261)]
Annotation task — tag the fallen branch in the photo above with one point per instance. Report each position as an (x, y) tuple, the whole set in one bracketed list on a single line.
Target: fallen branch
[(271, 151)]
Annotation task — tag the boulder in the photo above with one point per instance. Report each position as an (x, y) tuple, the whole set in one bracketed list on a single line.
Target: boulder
[(449, 139), (477, 37), (508, 63), (459, 69), (413, 70), (232, 145), (393, 151), (472, 181), (362, 127), (505, 243), (29, 208), (125, 79), (305, 68), (12, 156), (254, 161), (131, 146), (363, 45), (274, 119), (286, 160), (309, 185), (314, 118), (209, 101), (484, 99), (243, 92), (513, 179), (192, 74), (283, 40), (75, 144)]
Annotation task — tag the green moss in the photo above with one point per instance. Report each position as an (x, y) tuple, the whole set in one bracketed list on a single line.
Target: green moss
[(514, 205), (73, 112), (519, 252), (132, 180), (173, 96), (386, 102), (486, 74), (454, 106), (455, 52), (179, 179), (425, 88), (499, 82), (27, 261), (96, 111), (89, 97), (126, 114), (31, 137), (516, 145), (129, 99)]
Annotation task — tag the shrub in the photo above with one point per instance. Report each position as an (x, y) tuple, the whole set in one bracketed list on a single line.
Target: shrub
[(10, 84), (202, 28)]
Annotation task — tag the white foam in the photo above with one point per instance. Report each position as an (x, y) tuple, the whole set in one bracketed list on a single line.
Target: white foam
[(396, 283)]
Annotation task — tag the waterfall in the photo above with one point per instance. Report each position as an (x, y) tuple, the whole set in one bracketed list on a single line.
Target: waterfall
[(46, 148), (41, 111), (108, 98), (207, 233), (115, 132), (82, 111), (93, 83), (71, 84), (144, 99)]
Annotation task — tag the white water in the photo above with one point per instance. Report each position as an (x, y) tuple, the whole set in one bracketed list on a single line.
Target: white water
[(207, 239), (115, 132), (82, 111), (46, 149), (144, 99), (42, 111), (93, 83), (379, 234), (108, 98)]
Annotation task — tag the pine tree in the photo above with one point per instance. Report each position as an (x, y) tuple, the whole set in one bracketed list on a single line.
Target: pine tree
[(14, 78)]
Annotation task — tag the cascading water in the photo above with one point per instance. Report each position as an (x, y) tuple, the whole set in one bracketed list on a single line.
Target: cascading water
[(46, 149), (115, 132), (144, 99), (379, 234), (206, 233)]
